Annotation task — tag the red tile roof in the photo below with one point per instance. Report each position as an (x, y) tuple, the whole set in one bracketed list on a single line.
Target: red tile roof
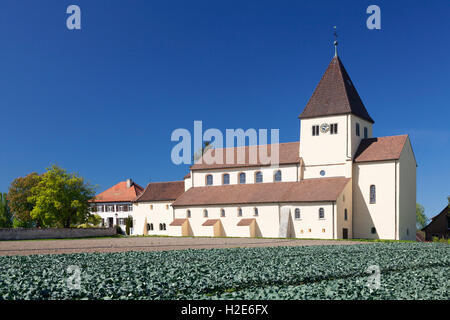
[(210, 222), (178, 222), (309, 190), (245, 222), (380, 149), (288, 154), (161, 191), (119, 193), (335, 94)]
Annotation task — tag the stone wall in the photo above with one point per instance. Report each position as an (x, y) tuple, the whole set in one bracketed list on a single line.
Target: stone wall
[(54, 233)]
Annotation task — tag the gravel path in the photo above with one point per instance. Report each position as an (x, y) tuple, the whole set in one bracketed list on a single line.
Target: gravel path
[(147, 244)]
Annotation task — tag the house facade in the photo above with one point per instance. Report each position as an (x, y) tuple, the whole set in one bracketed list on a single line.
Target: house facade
[(439, 225), (114, 205)]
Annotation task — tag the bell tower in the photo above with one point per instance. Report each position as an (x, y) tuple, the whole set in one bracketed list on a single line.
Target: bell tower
[(332, 124)]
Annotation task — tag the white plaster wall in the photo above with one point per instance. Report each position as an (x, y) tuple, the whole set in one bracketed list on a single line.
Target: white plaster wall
[(288, 173), (327, 148), (407, 194), (382, 214), (345, 201), (309, 221), (356, 140), (162, 213), (267, 221), (332, 170), (187, 183)]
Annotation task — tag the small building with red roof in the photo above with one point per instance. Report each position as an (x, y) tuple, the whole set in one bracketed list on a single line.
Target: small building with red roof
[(114, 205)]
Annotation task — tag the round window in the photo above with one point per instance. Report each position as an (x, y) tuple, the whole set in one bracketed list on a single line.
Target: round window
[(322, 172)]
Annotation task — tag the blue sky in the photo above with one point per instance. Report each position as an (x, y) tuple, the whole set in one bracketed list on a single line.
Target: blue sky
[(103, 101)]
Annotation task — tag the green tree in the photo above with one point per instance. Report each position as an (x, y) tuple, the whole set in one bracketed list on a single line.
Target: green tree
[(5, 212), (61, 199), (18, 194), (421, 218), (128, 224)]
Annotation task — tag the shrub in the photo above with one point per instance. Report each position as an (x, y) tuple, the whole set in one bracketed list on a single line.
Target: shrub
[(119, 230)]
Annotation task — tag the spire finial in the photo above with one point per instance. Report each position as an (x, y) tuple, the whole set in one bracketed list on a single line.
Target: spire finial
[(335, 41)]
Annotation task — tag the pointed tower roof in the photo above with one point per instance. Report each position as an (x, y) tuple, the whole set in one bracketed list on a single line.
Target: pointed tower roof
[(335, 94)]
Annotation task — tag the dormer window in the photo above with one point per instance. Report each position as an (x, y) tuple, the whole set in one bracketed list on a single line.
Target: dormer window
[(315, 130)]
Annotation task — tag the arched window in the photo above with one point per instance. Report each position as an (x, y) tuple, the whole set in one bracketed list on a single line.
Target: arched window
[(321, 213), (205, 213), (255, 210), (226, 179), (239, 212), (373, 230), (345, 214), (188, 213), (372, 194), (222, 212), (209, 180), (258, 177), (277, 176), (297, 213), (242, 177)]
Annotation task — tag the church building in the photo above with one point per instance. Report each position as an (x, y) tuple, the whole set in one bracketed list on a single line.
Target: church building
[(337, 182)]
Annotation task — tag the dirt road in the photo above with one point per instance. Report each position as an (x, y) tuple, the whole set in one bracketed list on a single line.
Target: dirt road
[(147, 244)]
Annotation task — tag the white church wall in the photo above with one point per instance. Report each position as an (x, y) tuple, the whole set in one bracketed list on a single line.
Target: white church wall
[(325, 148), (407, 194), (288, 172), (356, 140), (310, 225), (188, 183), (343, 202), (267, 221), (380, 214), (158, 212), (330, 170)]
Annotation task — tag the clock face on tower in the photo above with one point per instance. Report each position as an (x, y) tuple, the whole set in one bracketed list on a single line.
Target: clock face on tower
[(324, 127)]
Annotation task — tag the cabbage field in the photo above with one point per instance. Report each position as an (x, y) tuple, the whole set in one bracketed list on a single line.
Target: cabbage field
[(362, 271)]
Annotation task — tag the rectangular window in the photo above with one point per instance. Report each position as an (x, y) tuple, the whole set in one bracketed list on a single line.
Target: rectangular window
[(130, 207), (365, 133), (315, 130), (357, 129), (334, 128), (372, 194)]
